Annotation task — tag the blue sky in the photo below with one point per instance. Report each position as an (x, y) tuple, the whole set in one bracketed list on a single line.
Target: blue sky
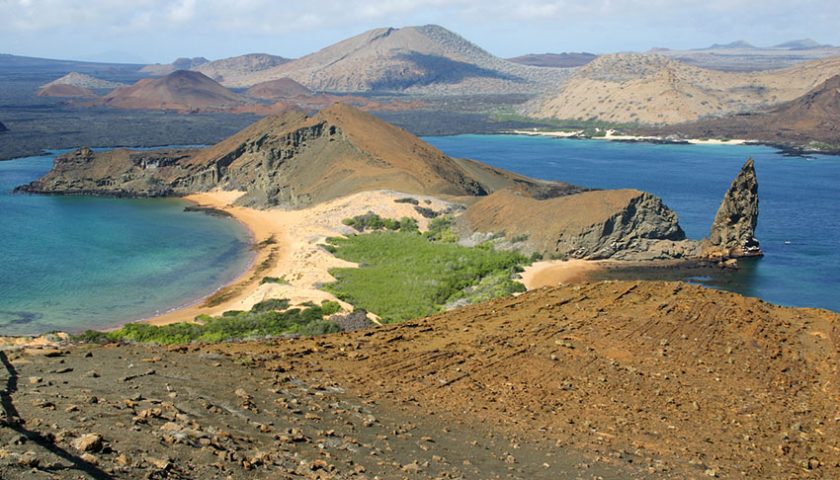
[(161, 30)]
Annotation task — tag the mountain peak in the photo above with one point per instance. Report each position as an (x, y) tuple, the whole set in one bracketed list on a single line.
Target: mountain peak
[(738, 44), (800, 44)]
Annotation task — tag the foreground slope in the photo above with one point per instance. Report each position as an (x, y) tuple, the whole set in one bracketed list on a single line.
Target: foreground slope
[(670, 376), (655, 89), (427, 59), (655, 379)]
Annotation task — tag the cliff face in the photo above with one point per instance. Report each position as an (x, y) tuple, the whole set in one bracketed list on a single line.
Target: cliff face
[(733, 231)]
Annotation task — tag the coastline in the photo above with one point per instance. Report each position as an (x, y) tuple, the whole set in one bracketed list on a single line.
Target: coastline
[(287, 246), (611, 136)]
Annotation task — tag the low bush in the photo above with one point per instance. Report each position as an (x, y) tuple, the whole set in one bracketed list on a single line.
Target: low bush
[(262, 321), (405, 276)]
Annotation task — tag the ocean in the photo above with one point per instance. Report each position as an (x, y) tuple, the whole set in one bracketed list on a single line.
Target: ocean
[(799, 219), (73, 263)]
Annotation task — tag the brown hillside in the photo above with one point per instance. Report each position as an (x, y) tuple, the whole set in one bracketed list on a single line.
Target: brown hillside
[(654, 89), (814, 117), (64, 90), (293, 160), (182, 90), (672, 378), (279, 89)]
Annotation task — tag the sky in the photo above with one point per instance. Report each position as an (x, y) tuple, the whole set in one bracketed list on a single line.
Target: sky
[(149, 31)]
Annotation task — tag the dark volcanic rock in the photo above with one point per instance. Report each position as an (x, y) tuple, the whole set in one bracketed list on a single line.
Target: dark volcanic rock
[(733, 231)]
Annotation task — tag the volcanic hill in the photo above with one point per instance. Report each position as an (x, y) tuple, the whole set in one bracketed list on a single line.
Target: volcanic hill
[(160, 70), (182, 90), (655, 89), (68, 91), (82, 80), (427, 59), (230, 71), (282, 88)]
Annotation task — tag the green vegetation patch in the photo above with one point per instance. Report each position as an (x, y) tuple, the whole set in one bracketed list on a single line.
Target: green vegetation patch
[(372, 221), (406, 275), (264, 320)]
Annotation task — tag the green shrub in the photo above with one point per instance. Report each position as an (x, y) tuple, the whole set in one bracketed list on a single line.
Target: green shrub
[(405, 276), (319, 327), (230, 326), (278, 280), (271, 304), (409, 225), (330, 307)]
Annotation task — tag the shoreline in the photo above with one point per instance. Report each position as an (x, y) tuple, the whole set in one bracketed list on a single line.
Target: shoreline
[(287, 246), (611, 136), (549, 273), (785, 149)]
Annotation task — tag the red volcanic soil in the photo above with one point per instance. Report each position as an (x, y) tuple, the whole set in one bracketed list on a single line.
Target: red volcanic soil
[(278, 89), (183, 90)]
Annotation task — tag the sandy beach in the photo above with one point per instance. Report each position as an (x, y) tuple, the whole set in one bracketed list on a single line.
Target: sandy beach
[(558, 272), (611, 135), (286, 244)]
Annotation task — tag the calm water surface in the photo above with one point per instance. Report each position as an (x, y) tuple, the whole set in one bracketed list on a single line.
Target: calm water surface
[(799, 222), (72, 263)]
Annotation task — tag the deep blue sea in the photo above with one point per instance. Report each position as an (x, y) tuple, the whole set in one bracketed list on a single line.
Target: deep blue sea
[(799, 220), (72, 263)]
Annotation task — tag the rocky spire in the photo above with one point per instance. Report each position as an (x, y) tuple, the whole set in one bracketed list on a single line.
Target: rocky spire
[(733, 231)]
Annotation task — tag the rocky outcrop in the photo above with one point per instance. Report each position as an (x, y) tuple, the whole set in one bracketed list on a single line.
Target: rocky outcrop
[(3, 127), (733, 230), (618, 224)]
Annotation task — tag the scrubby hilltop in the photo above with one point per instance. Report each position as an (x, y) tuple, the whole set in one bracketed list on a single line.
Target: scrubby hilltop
[(427, 59), (655, 89)]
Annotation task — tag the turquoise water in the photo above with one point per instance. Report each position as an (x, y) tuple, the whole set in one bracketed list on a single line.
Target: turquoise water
[(72, 263), (799, 221)]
